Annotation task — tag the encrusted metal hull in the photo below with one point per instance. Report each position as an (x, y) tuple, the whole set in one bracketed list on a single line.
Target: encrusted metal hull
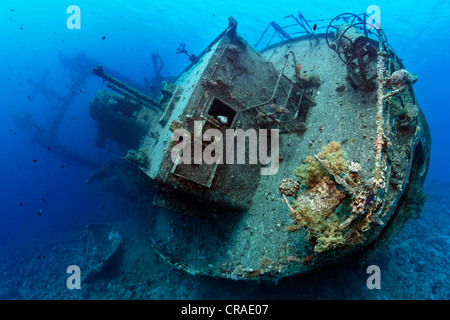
[(352, 159)]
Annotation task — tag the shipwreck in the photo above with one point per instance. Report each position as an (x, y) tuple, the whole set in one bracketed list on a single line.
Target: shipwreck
[(353, 149)]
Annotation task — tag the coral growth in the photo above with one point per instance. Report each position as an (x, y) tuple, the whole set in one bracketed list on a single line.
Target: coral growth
[(325, 175), (289, 187), (311, 171), (354, 167), (313, 210), (402, 77)]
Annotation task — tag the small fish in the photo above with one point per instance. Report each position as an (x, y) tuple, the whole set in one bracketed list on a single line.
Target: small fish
[(34, 160), (315, 27), (20, 204), (63, 166), (299, 67), (103, 38), (42, 200), (39, 213)]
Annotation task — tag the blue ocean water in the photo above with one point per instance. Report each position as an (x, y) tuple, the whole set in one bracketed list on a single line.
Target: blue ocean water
[(45, 199)]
